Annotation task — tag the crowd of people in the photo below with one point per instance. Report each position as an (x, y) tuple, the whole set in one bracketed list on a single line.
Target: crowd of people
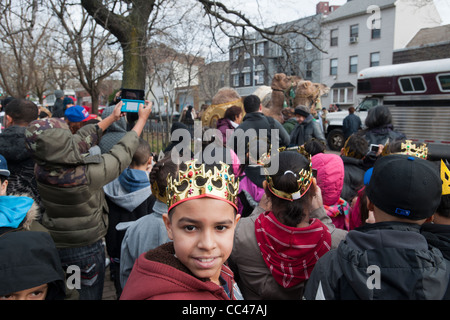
[(77, 191)]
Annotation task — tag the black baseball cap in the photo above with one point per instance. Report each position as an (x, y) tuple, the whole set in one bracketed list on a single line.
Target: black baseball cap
[(405, 186)]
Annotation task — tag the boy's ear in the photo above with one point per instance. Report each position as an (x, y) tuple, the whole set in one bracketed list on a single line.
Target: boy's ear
[(8, 120), (3, 188), (168, 225)]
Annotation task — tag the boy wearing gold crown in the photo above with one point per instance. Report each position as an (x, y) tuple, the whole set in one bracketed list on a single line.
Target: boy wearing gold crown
[(201, 221), (437, 232)]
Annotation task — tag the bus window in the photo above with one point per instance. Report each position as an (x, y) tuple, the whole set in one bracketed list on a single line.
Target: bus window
[(412, 84), (444, 82)]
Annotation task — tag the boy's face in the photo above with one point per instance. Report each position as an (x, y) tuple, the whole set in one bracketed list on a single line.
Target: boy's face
[(202, 231), (36, 293)]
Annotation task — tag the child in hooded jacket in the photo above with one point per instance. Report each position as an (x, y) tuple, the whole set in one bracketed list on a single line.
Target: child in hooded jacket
[(276, 250), (128, 198), (201, 220), (330, 178), (148, 232)]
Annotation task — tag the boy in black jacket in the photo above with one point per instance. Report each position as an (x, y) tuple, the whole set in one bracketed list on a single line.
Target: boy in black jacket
[(129, 198), (389, 259)]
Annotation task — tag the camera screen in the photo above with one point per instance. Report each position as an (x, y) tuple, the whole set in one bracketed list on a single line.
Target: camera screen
[(132, 94), (132, 106)]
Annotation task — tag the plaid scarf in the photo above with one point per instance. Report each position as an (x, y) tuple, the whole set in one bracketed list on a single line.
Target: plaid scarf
[(290, 253)]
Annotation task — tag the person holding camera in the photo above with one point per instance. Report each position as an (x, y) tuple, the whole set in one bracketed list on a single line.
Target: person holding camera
[(70, 182)]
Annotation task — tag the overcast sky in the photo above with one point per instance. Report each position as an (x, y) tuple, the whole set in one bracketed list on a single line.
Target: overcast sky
[(279, 11)]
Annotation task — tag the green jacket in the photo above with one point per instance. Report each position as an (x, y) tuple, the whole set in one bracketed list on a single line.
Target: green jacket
[(290, 124), (70, 181)]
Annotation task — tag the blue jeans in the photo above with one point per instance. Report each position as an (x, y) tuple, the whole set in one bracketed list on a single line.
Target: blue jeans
[(91, 261)]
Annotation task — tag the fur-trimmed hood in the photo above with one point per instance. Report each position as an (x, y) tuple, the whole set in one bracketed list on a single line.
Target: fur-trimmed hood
[(17, 212), (159, 275)]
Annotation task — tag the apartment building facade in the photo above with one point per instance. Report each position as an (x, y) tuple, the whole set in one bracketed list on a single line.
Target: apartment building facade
[(365, 33), (254, 60)]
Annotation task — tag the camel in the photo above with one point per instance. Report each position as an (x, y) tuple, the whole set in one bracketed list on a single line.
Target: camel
[(292, 91)]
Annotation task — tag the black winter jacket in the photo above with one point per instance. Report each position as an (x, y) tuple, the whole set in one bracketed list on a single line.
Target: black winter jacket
[(380, 261)]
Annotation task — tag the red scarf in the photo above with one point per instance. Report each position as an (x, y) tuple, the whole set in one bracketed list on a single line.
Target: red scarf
[(291, 253)]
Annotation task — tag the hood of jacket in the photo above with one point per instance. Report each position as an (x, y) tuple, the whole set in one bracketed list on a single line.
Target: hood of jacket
[(291, 253), (330, 176), (12, 144), (130, 189), (16, 212), (438, 236), (114, 133), (408, 268), (38, 263), (52, 143), (159, 275)]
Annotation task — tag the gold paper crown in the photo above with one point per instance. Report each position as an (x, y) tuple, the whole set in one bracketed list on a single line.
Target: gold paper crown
[(197, 182), (304, 177), (445, 177), (410, 149)]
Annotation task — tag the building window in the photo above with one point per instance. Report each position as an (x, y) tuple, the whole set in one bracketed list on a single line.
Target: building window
[(333, 67), (247, 79), (308, 45), (354, 33), (342, 95), (374, 59), (353, 68), (334, 37), (236, 80), (259, 77), (246, 55), (235, 54), (376, 33), (260, 49), (308, 72)]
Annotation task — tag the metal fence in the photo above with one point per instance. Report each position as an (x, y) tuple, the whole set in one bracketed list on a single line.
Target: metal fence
[(157, 133)]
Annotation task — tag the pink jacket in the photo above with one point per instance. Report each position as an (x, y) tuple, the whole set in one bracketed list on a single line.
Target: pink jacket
[(330, 178)]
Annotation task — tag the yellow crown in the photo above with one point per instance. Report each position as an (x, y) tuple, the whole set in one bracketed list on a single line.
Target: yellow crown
[(304, 177), (445, 177), (197, 182), (410, 149)]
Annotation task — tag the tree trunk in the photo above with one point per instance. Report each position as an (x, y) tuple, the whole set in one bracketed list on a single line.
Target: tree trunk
[(131, 31), (134, 61)]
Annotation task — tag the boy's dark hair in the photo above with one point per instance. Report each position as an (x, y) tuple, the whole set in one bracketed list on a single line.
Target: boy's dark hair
[(251, 103), (315, 146), (232, 113), (22, 111), (3, 178), (356, 146), (142, 153), (444, 207), (161, 170), (289, 213)]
